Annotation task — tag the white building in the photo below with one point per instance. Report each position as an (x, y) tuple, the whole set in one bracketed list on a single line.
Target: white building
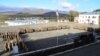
[(89, 18), (25, 22)]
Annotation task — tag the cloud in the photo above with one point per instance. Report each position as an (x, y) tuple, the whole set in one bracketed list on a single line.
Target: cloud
[(66, 5), (69, 5)]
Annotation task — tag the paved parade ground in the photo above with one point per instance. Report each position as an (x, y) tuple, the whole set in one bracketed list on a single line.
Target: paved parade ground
[(46, 39), (40, 40)]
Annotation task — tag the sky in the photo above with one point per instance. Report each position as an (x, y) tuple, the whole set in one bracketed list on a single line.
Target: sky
[(79, 5)]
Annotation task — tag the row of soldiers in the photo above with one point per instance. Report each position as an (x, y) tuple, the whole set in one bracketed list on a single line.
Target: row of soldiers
[(26, 30), (11, 39), (40, 29), (81, 27)]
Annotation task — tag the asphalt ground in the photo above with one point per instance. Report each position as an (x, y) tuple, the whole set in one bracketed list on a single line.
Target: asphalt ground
[(91, 50), (41, 40)]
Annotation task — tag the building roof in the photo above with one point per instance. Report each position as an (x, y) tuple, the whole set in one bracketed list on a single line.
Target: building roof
[(91, 13)]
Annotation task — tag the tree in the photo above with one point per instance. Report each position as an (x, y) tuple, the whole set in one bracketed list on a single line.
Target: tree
[(72, 14), (3, 18)]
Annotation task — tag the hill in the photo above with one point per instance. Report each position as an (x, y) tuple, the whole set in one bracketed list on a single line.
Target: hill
[(29, 11), (97, 10)]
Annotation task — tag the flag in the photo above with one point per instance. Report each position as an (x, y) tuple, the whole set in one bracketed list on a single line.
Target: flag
[(57, 14)]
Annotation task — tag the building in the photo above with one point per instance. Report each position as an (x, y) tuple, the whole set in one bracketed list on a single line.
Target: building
[(25, 22), (88, 18)]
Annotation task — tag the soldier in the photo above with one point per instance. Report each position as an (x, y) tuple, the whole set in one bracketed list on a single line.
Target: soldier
[(15, 49), (7, 46), (0, 33), (11, 44), (4, 37)]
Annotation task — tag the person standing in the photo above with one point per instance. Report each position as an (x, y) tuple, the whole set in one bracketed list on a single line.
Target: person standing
[(15, 49)]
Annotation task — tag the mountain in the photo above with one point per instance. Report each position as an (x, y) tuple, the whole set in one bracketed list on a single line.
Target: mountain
[(53, 14), (14, 10), (97, 10), (30, 11)]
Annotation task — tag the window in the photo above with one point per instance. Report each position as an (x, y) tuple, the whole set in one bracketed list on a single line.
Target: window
[(99, 16), (82, 20), (94, 17), (88, 20), (83, 16), (88, 16)]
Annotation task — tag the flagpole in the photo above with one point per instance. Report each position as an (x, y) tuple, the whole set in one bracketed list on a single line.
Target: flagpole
[(57, 14), (57, 24)]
